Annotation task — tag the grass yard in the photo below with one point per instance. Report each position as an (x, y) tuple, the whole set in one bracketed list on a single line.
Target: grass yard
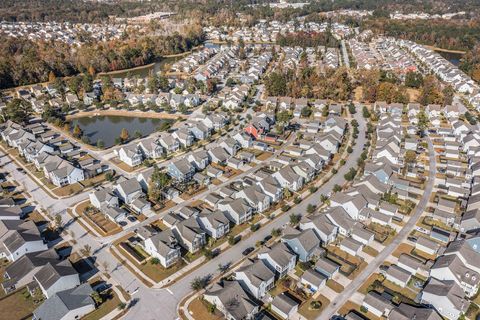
[(18, 305), (198, 309), (334, 285), (349, 306), (370, 251), (97, 221), (109, 304), (155, 272), (308, 312), (68, 190), (402, 248)]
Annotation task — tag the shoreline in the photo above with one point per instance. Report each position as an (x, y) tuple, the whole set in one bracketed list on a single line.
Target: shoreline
[(124, 113), (445, 50)]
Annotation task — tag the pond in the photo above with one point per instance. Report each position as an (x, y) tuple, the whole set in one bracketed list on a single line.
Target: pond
[(108, 128), (453, 57)]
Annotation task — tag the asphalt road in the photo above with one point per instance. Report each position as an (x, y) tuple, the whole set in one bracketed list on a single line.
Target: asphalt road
[(162, 303), (182, 288), (345, 295)]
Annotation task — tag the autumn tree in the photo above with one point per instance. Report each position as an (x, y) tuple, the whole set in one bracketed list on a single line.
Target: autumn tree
[(77, 131), (430, 92), (124, 135), (413, 79)]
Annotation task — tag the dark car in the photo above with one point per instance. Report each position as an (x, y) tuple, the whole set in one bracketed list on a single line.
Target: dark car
[(248, 251), (132, 218), (20, 170), (267, 238), (122, 223)]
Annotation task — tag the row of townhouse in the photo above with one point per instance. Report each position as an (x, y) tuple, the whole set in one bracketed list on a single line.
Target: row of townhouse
[(174, 100), (40, 269), (441, 67), (57, 157), (196, 128), (454, 278), (224, 59), (193, 61), (231, 205)]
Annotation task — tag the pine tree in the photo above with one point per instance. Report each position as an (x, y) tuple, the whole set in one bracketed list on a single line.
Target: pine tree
[(124, 135)]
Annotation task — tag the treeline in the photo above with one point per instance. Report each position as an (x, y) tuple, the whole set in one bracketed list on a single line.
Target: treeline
[(308, 83), (74, 10), (25, 62), (378, 85), (470, 63), (444, 34), (307, 39)]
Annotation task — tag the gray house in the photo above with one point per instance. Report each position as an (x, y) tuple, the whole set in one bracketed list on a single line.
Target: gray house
[(305, 244)]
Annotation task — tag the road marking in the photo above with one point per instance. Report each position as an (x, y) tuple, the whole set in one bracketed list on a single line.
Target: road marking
[(169, 291)]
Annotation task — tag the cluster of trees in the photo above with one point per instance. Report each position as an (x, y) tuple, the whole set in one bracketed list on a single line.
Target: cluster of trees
[(72, 10), (307, 39), (379, 86), (447, 34), (470, 63), (308, 83), (23, 61)]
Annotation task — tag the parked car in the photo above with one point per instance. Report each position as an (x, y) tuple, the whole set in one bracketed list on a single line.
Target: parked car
[(247, 251)]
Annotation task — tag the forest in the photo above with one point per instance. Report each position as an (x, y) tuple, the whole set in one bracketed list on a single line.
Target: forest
[(25, 62), (304, 39)]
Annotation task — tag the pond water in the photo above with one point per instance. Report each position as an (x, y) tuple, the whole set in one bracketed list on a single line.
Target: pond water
[(453, 57), (108, 128)]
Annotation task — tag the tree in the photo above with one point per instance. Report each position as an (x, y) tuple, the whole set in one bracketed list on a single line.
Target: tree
[(306, 112), (410, 156), (430, 92), (276, 84), (311, 208), (58, 222), (138, 134), (337, 188), (158, 182), (87, 250), (18, 110), (295, 219), (198, 283), (413, 79), (124, 135), (155, 261), (448, 94), (365, 112), (77, 131), (182, 107), (100, 144), (351, 108), (276, 232), (350, 175)]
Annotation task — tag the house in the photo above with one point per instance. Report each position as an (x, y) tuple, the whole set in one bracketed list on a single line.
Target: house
[(190, 235), (231, 299), (305, 244), (287, 178), (21, 271), (340, 218), (103, 197), (22, 240), (284, 306), (409, 263), (409, 312), (313, 280), (199, 159), (144, 178), (236, 210), (322, 226), (151, 148), (426, 245), (326, 267), (181, 170), (169, 142), (164, 246), (131, 155), (377, 304), (351, 204), (446, 297), (256, 199), (362, 235), (398, 275), (215, 224), (255, 277), (129, 190), (351, 246), (55, 277), (73, 303), (278, 258), (218, 155)]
